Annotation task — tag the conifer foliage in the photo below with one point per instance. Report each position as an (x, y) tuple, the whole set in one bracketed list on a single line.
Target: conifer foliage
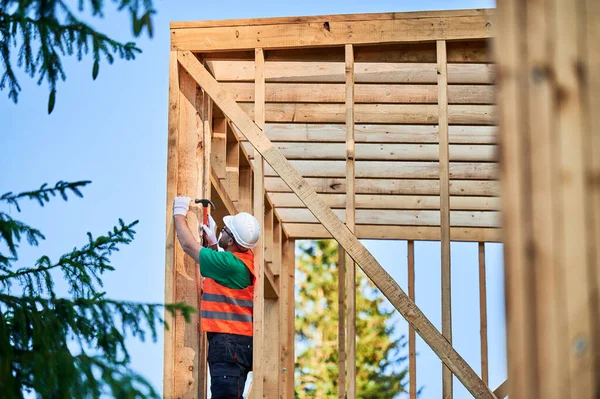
[(381, 371), (43, 31), (72, 347)]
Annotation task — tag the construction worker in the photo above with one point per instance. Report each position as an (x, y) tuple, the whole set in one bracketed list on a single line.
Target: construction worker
[(227, 294)]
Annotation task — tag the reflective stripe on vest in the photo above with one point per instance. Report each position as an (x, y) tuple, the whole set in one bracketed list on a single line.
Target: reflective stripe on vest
[(229, 310)]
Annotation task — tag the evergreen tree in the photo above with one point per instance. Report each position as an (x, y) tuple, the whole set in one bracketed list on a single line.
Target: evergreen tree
[(71, 347), (42, 31), (381, 370)]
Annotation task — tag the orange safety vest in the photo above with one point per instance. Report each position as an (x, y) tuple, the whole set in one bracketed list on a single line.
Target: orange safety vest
[(228, 310)]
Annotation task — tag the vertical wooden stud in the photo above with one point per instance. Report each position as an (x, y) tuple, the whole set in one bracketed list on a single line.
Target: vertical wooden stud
[(350, 223), (412, 352), (172, 171), (442, 74), (259, 213), (483, 315), (341, 323)]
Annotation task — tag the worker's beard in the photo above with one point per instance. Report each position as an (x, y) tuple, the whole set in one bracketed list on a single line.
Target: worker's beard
[(222, 241)]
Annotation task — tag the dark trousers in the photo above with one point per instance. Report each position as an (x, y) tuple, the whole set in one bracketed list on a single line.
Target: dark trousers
[(229, 361)]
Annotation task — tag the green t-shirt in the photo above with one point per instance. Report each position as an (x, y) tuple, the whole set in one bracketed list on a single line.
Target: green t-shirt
[(224, 267)]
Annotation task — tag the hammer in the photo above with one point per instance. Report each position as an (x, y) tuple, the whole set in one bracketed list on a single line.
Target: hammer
[(204, 203)]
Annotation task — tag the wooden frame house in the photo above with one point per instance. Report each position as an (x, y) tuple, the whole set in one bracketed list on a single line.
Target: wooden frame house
[(366, 126)]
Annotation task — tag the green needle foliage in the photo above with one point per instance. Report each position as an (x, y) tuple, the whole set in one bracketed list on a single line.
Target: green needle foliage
[(43, 31), (381, 371), (68, 347)]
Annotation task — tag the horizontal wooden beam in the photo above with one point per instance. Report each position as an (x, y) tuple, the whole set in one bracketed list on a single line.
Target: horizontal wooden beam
[(380, 133), (334, 32), (330, 18), (425, 114), (363, 93), (381, 152), (374, 201), (394, 217), (338, 230), (423, 233), (471, 51), (393, 169), (367, 72), (383, 186)]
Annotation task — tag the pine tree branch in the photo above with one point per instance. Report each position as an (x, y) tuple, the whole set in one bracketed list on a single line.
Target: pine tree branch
[(81, 267), (60, 32), (42, 195)]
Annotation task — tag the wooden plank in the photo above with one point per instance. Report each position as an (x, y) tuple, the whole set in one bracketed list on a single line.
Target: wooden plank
[(572, 222), (464, 51), (412, 352), (400, 134), (484, 188), (483, 315), (287, 309), (332, 18), (268, 233), (444, 158), (549, 299), (351, 244), (271, 358), (520, 325), (218, 152), (246, 180), (330, 33), (170, 248), (203, 158), (350, 223), (258, 364), (364, 73), (393, 169), (382, 152), (187, 379), (387, 217), (232, 165), (277, 242), (365, 93), (375, 113), (341, 323), (592, 88), (406, 202), (422, 233)]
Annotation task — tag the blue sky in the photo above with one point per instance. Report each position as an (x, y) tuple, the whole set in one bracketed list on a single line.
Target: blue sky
[(113, 131)]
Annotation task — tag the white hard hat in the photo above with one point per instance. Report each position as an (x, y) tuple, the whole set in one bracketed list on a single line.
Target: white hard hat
[(245, 229)]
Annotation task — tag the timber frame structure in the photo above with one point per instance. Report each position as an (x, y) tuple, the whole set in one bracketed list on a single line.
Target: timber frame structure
[(366, 126)]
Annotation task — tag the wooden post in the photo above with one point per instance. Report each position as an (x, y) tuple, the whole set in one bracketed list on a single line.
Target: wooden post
[(287, 311), (412, 352), (442, 74), (186, 344), (483, 315), (258, 370), (218, 152), (272, 324), (341, 323), (550, 241), (170, 250), (350, 223), (232, 165)]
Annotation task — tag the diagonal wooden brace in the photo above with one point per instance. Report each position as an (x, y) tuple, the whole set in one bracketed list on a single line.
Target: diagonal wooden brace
[(338, 230)]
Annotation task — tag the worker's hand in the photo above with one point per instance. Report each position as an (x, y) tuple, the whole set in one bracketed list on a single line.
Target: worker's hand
[(210, 231), (181, 205)]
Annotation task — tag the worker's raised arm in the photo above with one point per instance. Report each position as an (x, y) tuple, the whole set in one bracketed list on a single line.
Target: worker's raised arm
[(188, 243)]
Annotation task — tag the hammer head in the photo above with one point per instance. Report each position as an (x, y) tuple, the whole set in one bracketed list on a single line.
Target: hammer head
[(204, 202)]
